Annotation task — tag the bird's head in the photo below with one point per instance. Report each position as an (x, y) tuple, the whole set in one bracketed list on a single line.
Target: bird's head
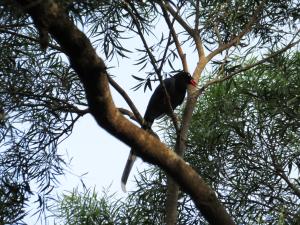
[(188, 79)]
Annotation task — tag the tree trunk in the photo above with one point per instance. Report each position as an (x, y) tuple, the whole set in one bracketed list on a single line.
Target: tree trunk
[(172, 186), (171, 203)]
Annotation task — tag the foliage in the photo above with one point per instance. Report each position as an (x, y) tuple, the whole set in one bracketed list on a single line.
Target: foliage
[(85, 208), (244, 141), (41, 98)]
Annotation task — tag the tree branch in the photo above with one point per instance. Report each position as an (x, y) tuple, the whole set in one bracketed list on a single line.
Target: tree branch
[(2, 30), (236, 39), (128, 113), (197, 16), (137, 116), (175, 38), (92, 72), (245, 68), (282, 174), (172, 186), (177, 17)]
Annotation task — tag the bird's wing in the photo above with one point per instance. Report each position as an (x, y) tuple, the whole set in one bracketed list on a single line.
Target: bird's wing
[(157, 106), (127, 169)]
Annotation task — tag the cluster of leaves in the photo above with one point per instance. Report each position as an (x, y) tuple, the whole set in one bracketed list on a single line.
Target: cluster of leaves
[(224, 21), (13, 197), (40, 100), (244, 141), (85, 208), (111, 22), (144, 206)]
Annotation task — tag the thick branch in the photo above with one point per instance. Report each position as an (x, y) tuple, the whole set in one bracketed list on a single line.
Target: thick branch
[(92, 72)]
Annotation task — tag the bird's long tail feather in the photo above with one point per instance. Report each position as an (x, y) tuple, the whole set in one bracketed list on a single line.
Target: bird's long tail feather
[(127, 169)]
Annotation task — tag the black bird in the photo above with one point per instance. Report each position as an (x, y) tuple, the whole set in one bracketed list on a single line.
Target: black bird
[(158, 106)]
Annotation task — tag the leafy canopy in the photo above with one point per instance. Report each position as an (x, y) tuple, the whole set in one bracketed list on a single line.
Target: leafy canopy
[(41, 98), (244, 140)]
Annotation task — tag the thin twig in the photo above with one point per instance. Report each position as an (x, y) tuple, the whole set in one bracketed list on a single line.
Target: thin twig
[(29, 38), (129, 114), (153, 61), (165, 53), (197, 16), (61, 103), (175, 38), (120, 90), (10, 26)]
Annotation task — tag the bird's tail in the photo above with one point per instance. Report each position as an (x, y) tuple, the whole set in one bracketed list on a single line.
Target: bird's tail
[(127, 169)]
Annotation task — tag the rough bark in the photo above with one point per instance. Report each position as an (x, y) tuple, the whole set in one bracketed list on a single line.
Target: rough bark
[(171, 202), (50, 18), (172, 186)]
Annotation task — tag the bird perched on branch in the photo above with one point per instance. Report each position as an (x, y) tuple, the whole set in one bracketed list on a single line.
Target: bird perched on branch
[(158, 106)]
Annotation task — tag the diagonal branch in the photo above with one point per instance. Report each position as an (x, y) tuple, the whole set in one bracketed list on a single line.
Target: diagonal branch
[(128, 113), (292, 186), (92, 73), (177, 17)]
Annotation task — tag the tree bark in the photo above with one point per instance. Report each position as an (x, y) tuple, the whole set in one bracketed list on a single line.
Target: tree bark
[(50, 18), (180, 147), (171, 202)]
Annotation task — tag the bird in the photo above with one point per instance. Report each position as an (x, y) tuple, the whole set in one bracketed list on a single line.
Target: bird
[(158, 106)]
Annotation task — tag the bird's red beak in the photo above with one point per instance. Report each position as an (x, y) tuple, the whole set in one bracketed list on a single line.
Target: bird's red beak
[(193, 82)]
